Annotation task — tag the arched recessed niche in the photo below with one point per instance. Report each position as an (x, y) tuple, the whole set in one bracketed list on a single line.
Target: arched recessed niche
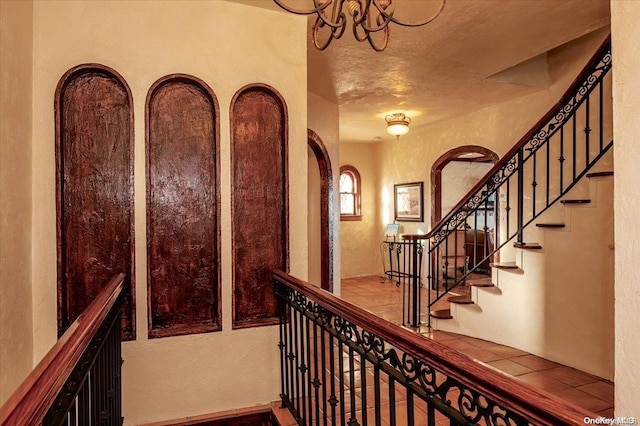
[(94, 190), (183, 207), (259, 202)]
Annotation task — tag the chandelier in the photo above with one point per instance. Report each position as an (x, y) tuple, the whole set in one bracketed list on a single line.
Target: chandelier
[(368, 18)]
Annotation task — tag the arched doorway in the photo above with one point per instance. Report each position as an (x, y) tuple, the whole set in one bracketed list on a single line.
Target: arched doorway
[(465, 153), (326, 204)]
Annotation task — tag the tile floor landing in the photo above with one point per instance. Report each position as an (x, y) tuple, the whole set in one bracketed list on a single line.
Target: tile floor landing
[(582, 389)]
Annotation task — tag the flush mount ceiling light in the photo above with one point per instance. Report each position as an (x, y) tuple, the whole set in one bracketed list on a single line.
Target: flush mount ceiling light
[(397, 124), (368, 17)]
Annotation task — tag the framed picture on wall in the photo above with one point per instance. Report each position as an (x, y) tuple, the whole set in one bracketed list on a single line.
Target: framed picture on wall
[(408, 202)]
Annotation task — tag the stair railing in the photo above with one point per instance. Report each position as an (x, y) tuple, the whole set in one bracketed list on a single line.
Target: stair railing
[(341, 364), (542, 167), (79, 381)]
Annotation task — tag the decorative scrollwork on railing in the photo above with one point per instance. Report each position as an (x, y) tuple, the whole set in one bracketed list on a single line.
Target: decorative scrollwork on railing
[(511, 165), (409, 371)]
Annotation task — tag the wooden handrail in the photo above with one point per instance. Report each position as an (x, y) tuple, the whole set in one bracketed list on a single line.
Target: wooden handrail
[(33, 398), (568, 94), (538, 407)]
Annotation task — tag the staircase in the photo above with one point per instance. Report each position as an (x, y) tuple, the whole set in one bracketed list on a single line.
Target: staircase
[(548, 179)]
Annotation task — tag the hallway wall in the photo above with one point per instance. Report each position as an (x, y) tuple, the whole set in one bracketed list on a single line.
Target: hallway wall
[(183, 375), (16, 323), (625, 35)]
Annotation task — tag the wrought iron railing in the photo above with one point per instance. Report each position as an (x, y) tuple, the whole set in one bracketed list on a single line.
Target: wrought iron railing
[(343, 365), (541, 168), (402, 263), (79, 381)]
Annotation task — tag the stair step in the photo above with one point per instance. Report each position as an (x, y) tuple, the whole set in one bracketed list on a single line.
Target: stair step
[(578, 201), (550, 225), (461, 300), (599, 174), (481, 282), (528, 246), (441, 314), (504, 265)]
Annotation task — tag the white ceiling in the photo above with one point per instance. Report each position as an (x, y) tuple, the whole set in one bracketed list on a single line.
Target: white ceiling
[(440, 70)]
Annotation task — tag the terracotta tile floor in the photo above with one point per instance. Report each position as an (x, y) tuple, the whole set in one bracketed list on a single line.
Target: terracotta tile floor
[(591, 392)]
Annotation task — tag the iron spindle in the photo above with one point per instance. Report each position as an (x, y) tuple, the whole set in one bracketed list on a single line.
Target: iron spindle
[(363, 388), (548, 167), (392, 401), (574, 157), (587, 129), (520, 190), (333, 400), (291, 395), (376, 394), (308, 361), (316, 378), (297, 396), (324, 375), (410, 408), (534, 184), (302, 368), (352, 387), (343, 414), (282, 347), (601, 115)]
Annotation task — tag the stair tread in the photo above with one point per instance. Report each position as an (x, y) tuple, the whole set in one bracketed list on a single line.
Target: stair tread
[(550, 225), (441, 314), (481, 282), (461, 300), (599, 174), (576, 201), (504, 265), (528, 246)]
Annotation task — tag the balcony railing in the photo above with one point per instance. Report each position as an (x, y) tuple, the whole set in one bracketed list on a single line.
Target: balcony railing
[(78, 382), (341, 364)]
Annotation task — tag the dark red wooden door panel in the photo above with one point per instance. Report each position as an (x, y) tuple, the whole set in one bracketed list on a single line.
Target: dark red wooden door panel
[(94, 155), (259, 197), (182, 208)]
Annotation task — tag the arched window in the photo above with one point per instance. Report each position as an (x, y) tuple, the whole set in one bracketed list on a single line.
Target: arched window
[(350, 189)]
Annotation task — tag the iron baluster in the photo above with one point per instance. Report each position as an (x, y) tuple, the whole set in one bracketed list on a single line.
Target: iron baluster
[(295, 367), (534, 184), (548, 168), (343, 414), (587, 129), (324, 374), (574, 129), (561, 159), (363, 388), (376, 394), (410, 412), (282, 348), (316, 379), (333, 400), (392, 401), (308, 370), (352, 388), (520, 208), (601, 115), (302, 369)]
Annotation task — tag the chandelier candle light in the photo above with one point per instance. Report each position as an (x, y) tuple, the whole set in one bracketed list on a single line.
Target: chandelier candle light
[(368, 17), (397, 124)]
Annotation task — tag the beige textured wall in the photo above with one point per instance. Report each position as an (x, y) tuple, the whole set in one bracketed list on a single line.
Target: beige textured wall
[(323, 119), (186, 375), (625, 16), (16, 325), (457, 180), (360, 240)]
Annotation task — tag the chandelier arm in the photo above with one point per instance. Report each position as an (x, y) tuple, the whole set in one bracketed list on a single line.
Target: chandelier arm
[(318, 10), (410, 24), (385, 41), (381, 24), (336, 33)]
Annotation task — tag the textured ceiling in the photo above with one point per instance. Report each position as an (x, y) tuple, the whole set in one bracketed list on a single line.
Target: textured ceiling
[(441, 70)]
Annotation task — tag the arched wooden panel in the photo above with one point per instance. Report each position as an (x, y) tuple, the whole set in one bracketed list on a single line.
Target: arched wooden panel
[(259, 202), (94, 190), (183, 243)]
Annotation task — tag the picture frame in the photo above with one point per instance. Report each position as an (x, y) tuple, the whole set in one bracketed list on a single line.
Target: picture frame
[(408, 202)]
